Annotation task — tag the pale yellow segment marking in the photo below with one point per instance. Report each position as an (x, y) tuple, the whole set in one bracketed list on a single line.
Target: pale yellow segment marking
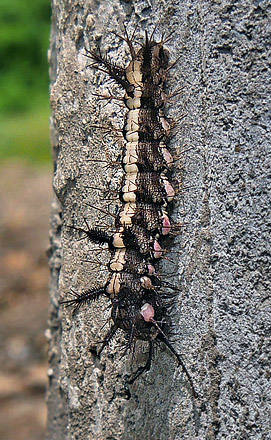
[(133, 73), (131, 153), (118, 240), (118, 261), (132, 137), (113, 287), (131, 168), (127, 214), (133, 103), (129, 197), (130, 158), (130, 183)]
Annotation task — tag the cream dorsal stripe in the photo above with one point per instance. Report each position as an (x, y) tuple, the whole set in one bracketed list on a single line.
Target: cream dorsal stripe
[(135, 290)]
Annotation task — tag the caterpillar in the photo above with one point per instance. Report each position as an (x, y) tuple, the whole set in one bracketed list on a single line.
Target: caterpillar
[(138, 296)]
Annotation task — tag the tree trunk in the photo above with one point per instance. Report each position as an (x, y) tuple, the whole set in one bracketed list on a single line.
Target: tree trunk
[(222, 256)]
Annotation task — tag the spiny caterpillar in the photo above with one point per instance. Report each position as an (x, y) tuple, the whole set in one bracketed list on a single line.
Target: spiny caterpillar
[(136, 292)]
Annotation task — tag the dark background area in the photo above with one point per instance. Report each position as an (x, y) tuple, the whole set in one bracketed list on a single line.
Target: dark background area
[(25, 194)]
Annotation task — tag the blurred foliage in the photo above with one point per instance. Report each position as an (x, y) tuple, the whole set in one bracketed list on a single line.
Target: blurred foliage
[(24, 98)]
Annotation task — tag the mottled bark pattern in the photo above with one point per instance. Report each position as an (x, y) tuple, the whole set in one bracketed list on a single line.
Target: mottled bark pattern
[(221, 260)]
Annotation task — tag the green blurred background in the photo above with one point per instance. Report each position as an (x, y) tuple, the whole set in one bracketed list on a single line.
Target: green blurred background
[(24, 82)]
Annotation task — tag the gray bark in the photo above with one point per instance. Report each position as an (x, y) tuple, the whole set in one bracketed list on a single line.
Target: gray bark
[(221, 258)]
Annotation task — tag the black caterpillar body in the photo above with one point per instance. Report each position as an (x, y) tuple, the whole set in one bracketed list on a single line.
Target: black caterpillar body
[(139, 304)]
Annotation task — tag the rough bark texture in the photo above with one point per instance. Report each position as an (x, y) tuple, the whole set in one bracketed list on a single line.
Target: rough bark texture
[(222, 314)]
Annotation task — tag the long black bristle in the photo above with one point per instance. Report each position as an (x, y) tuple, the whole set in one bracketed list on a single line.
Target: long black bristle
[(83, 298)]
